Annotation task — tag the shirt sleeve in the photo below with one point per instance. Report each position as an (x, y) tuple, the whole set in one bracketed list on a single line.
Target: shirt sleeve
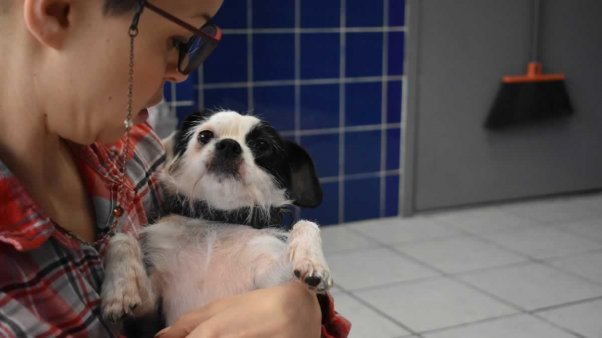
[(333, 324)]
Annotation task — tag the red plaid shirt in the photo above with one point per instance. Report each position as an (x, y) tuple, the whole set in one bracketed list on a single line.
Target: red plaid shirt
[(50, 282)]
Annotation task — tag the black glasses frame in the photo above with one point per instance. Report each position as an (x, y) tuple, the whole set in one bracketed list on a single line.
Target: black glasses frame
[(193, 52)]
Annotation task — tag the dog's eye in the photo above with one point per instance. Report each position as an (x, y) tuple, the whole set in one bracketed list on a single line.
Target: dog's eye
[(260, 146), (205, 136)]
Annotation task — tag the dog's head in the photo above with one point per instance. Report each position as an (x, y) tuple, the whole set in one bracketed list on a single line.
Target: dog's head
[(231, 161)]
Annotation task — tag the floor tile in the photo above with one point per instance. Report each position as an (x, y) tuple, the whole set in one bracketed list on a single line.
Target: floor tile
[(543, 242), (340, 238), (582, 318), (484, 220), (587, 265), (520, 326), (593, 201), (397, 230), (433, 304), (589, 228), (553, 210), (365, 321), (373, 267), (533, 286), (459, 254)]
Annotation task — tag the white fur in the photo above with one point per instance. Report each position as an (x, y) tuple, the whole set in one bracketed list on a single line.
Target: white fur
[(126, 289), (194, 262)]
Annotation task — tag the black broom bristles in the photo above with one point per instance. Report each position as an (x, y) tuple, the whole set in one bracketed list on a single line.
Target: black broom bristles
[(521, 103)]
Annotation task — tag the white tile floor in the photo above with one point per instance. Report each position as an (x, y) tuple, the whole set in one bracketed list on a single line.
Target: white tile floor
[(520, 270)]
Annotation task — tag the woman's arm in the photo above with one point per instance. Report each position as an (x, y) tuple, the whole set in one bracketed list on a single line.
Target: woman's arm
[(287, 310)]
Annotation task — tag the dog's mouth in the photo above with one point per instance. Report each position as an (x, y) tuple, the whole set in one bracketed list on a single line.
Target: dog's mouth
[(225, 168)]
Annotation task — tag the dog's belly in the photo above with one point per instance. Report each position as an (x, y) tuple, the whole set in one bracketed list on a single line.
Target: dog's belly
[(195, 262)]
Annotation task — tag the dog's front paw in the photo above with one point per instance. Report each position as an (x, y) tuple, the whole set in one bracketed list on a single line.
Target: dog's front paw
[(305, 254), (126, 289), (315, 275)]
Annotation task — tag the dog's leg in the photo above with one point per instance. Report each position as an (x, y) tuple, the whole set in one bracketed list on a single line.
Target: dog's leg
[(126, 289), (305, 253)]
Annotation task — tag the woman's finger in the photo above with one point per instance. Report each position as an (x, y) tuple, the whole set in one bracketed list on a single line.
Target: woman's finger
[(190, 320)]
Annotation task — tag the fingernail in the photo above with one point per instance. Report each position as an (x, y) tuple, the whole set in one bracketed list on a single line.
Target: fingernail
[(162, 331)]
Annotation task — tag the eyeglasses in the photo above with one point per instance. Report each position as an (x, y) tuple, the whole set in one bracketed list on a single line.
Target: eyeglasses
[(196, 50)]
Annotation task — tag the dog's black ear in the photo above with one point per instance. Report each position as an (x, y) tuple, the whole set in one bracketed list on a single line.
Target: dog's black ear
[(182, 136), (305, 190)]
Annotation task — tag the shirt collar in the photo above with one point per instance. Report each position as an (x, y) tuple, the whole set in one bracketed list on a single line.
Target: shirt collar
[(22, 223)]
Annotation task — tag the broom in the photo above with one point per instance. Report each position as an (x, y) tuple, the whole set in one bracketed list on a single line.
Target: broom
[(531, 97)]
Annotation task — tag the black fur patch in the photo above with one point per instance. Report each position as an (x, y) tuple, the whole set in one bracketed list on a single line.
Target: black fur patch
[(183, 134)]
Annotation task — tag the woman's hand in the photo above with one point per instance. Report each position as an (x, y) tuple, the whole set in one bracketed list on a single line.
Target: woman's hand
[(288, 310)]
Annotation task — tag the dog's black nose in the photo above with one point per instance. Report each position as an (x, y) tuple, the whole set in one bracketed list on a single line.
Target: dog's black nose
[(228, 148)]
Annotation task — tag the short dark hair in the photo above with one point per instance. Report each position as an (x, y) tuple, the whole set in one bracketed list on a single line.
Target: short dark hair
[(114, 7)]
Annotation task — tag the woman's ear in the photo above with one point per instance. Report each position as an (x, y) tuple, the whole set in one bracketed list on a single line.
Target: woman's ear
[(48, 20)]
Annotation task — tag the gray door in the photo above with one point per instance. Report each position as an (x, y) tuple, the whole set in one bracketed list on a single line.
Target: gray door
[(457, 51)]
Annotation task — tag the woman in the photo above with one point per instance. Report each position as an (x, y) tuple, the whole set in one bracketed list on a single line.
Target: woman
[(69, 81)]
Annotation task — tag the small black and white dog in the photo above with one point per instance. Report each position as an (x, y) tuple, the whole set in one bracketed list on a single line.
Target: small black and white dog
[(229, 177)]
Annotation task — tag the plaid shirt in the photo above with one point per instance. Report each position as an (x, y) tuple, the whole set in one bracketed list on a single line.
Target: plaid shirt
[(50, 282)]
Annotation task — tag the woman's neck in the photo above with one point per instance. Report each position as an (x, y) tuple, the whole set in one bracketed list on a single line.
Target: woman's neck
[(43, 163)]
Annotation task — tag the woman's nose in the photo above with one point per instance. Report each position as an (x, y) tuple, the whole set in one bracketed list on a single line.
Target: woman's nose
[(172, 74)]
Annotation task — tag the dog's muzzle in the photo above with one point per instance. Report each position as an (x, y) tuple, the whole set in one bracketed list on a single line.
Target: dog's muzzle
[(227, 158)]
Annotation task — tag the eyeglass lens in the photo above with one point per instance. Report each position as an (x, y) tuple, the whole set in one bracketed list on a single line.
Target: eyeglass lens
[(193, 53)]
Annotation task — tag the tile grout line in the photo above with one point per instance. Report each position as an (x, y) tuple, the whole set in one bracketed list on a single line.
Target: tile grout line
[(297, 86), (200, 87), (304, 82), (249, 35), (342, 65), (402, 131), (341, 29), (175, 104), (374, 174), (352, 129), (383, 110)]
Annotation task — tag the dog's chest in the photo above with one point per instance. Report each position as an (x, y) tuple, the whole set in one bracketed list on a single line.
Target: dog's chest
[(196, 263)]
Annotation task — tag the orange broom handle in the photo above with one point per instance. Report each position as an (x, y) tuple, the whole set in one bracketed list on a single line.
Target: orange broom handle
[(534, 74)]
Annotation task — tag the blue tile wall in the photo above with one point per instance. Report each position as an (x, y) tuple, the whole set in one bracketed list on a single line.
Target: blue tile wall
[(273, 57), (318, 76), (363, 103), (362, 199), (392, 196), (233, 14), (226, 98), (364, 54), (395, 52), (274, 14), (231, 55), (319, 106), (394, 92), (276, 104), (324, 150), (362, 13), (320, 13), (397, 12), (320, 55), (393, 148), (362, 152)]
